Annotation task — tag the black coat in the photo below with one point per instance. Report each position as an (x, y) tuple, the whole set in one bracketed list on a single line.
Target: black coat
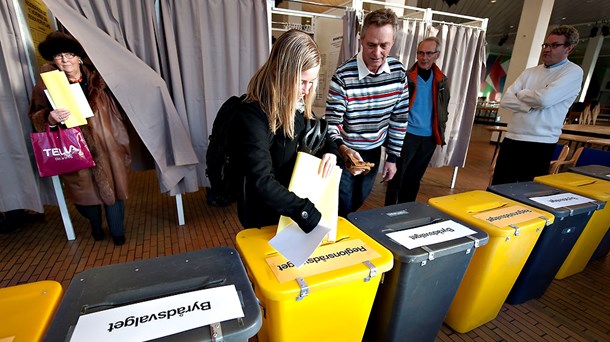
[(266, 162)]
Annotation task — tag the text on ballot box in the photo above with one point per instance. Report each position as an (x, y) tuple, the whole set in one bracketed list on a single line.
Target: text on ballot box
[(565, 199), (505, 216), (326, 258), (431, 234), (160, 317)]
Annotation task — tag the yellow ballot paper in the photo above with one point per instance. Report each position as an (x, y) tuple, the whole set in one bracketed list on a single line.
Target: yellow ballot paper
[(323, 192), (290, 241), (65, 96)]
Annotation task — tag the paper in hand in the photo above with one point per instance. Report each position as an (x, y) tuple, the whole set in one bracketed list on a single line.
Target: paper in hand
[(296, 245)]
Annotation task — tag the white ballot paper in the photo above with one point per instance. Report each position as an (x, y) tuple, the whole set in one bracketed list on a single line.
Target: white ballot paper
[(323, 192), (160, 317), (565, 199), (296, 245), (430, 234), (80, 98)]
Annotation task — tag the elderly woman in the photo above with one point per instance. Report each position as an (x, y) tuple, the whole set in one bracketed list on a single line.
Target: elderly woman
[(105, 133)]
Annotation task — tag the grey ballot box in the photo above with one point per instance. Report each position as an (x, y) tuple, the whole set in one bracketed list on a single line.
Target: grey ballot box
[(416, 293), (122, 284)]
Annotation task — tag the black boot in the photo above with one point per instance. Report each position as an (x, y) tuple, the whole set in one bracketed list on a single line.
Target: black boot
[(118, 240), (97, 233)]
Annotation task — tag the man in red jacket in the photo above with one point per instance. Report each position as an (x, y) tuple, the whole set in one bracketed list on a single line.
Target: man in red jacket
[(429, 99)]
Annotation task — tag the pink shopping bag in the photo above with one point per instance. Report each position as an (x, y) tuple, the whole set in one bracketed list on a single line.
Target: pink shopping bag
[(60, 151)]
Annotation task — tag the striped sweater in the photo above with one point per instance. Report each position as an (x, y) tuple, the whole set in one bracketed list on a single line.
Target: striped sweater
[(367, 113)]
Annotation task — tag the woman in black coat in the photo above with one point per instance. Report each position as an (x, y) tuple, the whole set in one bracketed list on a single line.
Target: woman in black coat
[(269, 127)]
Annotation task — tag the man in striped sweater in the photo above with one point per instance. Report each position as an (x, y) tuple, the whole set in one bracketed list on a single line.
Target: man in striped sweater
[(367, 107)]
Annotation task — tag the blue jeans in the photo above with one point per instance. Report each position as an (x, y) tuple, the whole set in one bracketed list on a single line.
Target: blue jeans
[(353, 190), (115, 216)]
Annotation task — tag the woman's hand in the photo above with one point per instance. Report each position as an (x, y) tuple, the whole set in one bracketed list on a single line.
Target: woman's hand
[(58, 116), (327, 164)]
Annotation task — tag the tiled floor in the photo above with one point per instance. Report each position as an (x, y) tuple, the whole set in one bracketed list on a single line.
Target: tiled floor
[(573, 309)]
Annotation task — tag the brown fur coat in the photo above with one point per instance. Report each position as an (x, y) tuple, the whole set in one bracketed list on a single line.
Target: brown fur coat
[(107, 138)]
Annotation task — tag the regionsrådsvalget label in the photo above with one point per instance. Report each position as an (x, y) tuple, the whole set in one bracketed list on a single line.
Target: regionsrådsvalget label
[(324, 259), (509, 215)]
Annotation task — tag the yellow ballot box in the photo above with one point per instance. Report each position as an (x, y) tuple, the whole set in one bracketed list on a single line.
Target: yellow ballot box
[(597, 227), (513, 230), (329, 298), (27, 310)]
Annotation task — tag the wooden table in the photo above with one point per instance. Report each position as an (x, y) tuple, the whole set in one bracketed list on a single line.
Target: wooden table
[(593, 131), (500, 130), (603, 143), (486, 114)]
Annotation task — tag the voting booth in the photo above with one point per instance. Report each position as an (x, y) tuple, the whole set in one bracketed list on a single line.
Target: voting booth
[(597, 227), (601, 172), (431, 253), (513, 230), (203, 295), (572, 213), (26, 310), (329, 298)]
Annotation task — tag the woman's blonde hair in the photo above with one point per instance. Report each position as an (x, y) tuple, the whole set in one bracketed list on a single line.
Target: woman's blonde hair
[(276, 85)]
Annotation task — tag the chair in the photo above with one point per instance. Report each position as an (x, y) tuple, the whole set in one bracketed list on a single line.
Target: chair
[(559, 158), (575, 113), (594, 114), (587, 156), (585, 118), (559, 155)]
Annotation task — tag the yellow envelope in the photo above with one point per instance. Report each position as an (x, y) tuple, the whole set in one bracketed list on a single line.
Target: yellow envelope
[(63, 97), (323, 192)]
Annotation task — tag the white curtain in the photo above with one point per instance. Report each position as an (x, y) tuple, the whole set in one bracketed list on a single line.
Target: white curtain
[(409, 34), (20, 185), (462, 59)]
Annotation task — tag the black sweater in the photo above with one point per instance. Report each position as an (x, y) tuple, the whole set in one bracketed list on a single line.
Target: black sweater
[(266, 162)]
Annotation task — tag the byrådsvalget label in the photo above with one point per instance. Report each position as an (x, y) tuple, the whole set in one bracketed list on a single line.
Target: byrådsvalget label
[(430, 234), (509, 215), (324, 259), (160, 317), (565, 199)]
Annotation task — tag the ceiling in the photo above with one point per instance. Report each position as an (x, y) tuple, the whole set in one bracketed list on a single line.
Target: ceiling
[(504, 18)]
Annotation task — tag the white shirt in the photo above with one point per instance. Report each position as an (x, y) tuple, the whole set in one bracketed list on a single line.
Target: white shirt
[(539, 100), (363, 71)]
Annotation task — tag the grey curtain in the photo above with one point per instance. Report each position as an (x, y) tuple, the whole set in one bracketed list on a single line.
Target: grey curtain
[(143, 95), (20, 185), (213, 49), (351, 28), (171, 75)]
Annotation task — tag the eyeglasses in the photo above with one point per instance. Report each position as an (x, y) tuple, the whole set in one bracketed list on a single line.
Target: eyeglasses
[(554, 45), (426, 53), (66, 55)]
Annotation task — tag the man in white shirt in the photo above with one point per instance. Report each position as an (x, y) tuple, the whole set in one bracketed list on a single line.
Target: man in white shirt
[(539, 100)]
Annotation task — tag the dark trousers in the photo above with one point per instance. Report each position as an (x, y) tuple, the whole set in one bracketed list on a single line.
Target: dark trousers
[(353, 190), (521, 161), (115, 215), (414, 158)]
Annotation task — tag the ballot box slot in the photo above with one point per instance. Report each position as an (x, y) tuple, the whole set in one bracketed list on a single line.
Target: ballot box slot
[(153, 292)]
